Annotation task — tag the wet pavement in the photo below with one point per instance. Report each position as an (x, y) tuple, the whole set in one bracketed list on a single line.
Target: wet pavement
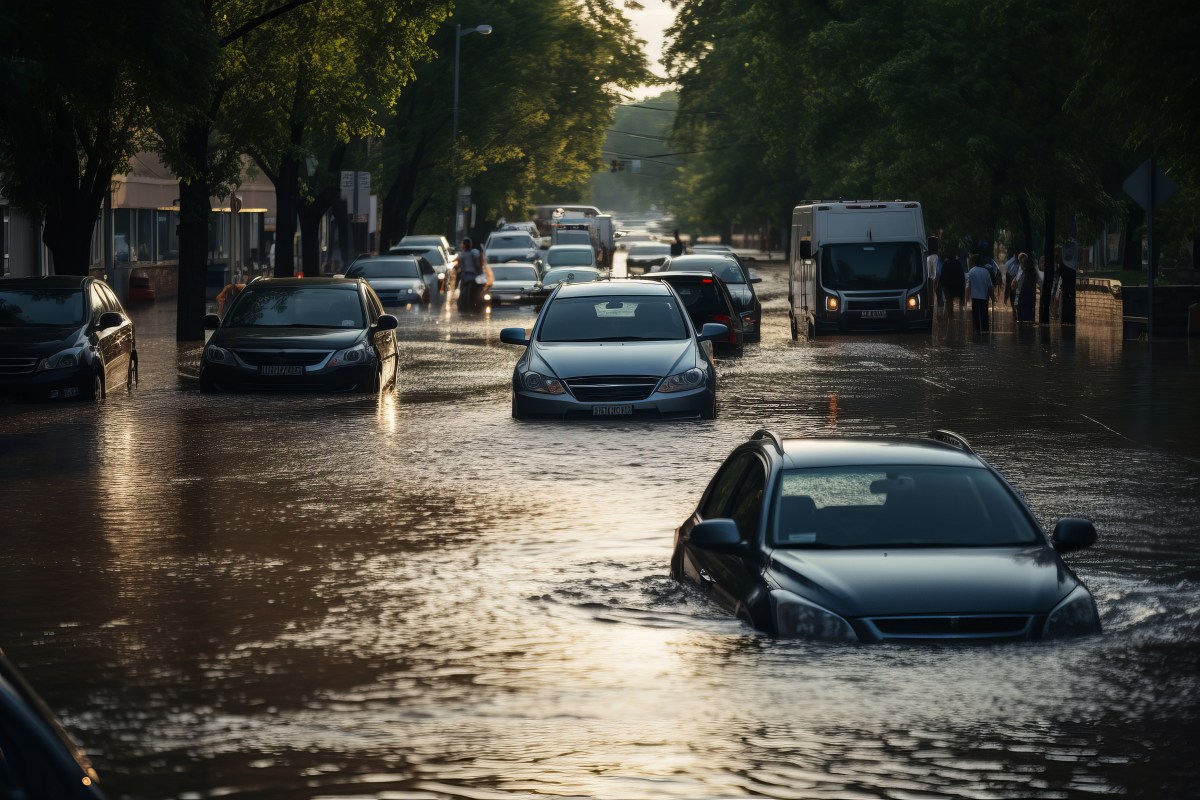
[(416, 597)]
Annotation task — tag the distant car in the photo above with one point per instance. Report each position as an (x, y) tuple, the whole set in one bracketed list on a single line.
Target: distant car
[(554, 277), (736, 277), (64, 337), (38, 758), (706, 299), (614, 349), (529, 227), (398, 280), (505, 246), (447, 253), (301, 334), (569, 255), (743, 254), (434, 255), (880, 539), (625, 239), (643, 257), (514, 284)]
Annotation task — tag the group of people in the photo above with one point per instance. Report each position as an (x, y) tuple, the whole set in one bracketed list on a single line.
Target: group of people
[(473, 275), (982, 280)]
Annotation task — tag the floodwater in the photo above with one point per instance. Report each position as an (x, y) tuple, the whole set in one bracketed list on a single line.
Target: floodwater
[(416, 597)]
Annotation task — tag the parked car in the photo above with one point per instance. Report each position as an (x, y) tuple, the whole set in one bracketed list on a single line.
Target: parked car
[(643, 256), (736, 277), (397, 280), (38, 758), (569, 255), (614, 349), (529, 227), (505, 246), (706, 299), (434, 255), (880, 539), (64, 337), (301, 334), (447, 253), (514, 284)]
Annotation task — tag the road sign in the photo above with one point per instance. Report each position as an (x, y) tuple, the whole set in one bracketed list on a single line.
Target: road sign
[(1138, 185)]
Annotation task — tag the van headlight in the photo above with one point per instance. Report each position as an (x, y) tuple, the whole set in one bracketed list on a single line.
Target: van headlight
[(1076, 615), (683, 381), (797, 617), (63, 359), (359, 354)]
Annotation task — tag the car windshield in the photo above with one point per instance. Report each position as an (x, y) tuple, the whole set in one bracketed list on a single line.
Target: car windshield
[(55, 307), (612, 319), (570, 275), (569, 258), (514, 273), (898, 506), (391, 268), (724, 268), (871, 266), (296, 306), (433, 255), (649, 250), (572, 237), (510, 241)]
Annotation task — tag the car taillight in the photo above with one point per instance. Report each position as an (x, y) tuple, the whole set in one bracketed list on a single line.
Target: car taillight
[(727, 321)]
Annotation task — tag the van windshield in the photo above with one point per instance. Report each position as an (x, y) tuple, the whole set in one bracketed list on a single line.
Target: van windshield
[(871, 265)]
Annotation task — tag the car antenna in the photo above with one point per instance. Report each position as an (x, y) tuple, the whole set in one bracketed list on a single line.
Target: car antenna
[(764, 433), (953, 439)]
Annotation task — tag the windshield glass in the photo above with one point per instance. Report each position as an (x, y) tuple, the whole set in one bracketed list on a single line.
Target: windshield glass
[(398, 268), (724, 268), (898, 506), (612, 319), (572, 237), (511, 273), (569, 258), (296, 306), (701, 299), (510, 241), (570, 275), (57, 307), (871, 266), (649, 250)]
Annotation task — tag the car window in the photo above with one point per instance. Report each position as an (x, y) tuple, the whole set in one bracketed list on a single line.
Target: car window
[(20, 307), (700, 298), (569, 258), (296, 306), (747, 504), (612, 318), (509, 272), (723, 268), (389, 268), (716, 502), (373, 305), (911, 506), (111, 303), (96, 302), (510, 241)]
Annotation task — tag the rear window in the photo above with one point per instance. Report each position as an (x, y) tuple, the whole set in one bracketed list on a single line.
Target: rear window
[(384, 269), (724, 268), (510, 273), (699, 298), (569, 258)]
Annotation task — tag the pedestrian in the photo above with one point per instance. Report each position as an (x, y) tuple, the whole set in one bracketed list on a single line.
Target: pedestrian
[(995, 272), (933, 267), (225, 296), (470, 269), (979, 285), (1012, 269), (1066, 283), (952, 282), (676, 245), (1025, 288)]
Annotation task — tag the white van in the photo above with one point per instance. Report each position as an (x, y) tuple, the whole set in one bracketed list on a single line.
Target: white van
[(859, 265)]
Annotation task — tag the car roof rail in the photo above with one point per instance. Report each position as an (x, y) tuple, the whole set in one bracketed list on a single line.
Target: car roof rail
[(953, 439), (764, 433)]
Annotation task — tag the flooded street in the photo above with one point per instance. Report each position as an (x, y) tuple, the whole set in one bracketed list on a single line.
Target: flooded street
[(324, 596)]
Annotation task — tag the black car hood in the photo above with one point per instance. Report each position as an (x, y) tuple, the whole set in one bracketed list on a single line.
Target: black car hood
[(901, 581), (286, 338), (32, 341)]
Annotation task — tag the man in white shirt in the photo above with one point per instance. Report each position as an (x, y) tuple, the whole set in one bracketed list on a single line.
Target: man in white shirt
[(979, 287)]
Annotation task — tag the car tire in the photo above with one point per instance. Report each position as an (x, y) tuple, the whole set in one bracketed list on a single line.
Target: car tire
[(376, 382), (94, 389), (131, 378), (795, 327), (709, 411)]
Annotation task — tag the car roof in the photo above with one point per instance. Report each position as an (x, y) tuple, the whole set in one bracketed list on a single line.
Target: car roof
[(346, 283), (614, 287), (683, 276), (706, 258), (46, 282), (844, 451)]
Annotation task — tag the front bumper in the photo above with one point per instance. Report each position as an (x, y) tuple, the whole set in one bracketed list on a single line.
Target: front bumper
[(54, 384), (350, 377), (671, 405)]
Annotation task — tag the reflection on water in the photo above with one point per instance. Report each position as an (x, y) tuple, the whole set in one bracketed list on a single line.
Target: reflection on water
[(258, 596)]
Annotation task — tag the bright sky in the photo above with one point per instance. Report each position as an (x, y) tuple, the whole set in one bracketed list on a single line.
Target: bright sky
[(649, 23)]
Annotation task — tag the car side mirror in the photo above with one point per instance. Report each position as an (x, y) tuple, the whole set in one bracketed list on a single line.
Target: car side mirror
[(711, 331), (387, 322), (719, 536), (211, 322), (806, 249), (514, 336), (1073, 533), (756, 279), (109, 319)]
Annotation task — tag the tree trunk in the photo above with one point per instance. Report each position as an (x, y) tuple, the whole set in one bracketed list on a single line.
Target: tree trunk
[(1026, 243), (310, 242), (1048, 277), (286, 191), (195, 210)]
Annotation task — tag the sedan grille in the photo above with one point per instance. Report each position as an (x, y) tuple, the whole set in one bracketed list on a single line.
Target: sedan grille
[(612, 388), (282, 358), (17, 366), (953, 627)]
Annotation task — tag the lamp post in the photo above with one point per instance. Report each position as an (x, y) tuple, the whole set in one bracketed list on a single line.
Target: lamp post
[(458, 34)]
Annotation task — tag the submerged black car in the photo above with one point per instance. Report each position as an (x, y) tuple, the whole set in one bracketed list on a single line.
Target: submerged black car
[(737, 278), (301, 334), (64, 337), (706, 299), (881, 539)]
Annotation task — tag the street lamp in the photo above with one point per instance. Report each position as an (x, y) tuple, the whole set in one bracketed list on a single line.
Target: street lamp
[(458, 34)]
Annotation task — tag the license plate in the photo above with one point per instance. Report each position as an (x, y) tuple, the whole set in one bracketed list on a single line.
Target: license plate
[(612, 411), (281, 370), (876, 314)]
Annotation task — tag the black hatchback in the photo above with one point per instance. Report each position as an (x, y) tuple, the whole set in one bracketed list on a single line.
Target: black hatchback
[(706, 298), (301, 334), (63, 337)]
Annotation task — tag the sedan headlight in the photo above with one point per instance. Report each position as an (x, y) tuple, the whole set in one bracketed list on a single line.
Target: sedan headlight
[(64, 359), (683, 381), (1075, 616), (359, 354), (797, 617), (537, 382), (218, 355)]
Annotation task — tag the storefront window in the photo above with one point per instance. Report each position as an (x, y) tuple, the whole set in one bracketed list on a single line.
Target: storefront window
[(122, 235), (144, 241)]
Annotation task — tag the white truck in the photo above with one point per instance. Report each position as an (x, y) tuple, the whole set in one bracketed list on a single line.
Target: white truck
[(567, 227), (859, 265)]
